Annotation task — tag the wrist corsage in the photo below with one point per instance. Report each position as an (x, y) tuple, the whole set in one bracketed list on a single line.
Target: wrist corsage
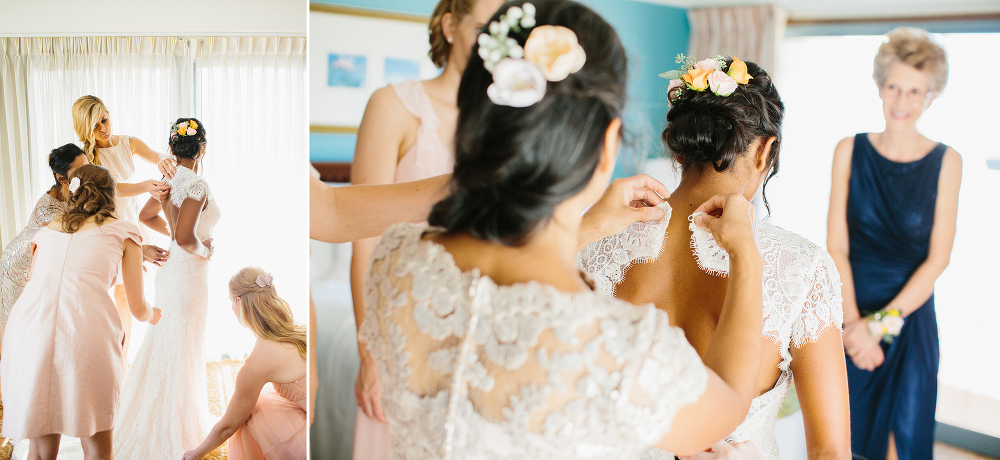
[(886, 323)]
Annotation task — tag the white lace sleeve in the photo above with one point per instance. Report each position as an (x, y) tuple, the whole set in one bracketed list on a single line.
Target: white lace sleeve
[(606, 260), (823, 304), (186, 185)]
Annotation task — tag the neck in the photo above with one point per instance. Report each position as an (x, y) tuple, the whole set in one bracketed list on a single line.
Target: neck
[(189, 163), (103, 144), (450, 78), (697, 187)]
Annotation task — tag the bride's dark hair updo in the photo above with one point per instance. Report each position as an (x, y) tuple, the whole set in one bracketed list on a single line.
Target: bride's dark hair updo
[(703, 128), (513, 166), (188, 146)]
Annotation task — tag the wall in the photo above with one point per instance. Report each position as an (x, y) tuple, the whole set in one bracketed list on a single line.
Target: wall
[(148, 18), (652, 34)]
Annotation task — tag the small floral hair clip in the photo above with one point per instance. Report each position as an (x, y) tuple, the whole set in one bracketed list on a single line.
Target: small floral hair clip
[(183, 128), (707, 74), (74, 185), (520, 74), (264, 280)]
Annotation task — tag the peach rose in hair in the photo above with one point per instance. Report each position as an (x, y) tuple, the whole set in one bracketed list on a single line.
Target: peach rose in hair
[(738, 71), (697, 78), (555, 50)]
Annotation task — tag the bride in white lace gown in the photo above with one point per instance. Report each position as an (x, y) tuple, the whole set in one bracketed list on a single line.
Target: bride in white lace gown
[(489, 343), (802, 305), (164, 400)]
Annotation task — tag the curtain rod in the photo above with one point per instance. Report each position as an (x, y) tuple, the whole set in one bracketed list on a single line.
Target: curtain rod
[(880, 20)]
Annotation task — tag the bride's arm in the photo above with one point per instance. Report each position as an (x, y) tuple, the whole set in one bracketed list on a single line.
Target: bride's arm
[(187, 222), (150, 217), (254, 374), (820, 374)]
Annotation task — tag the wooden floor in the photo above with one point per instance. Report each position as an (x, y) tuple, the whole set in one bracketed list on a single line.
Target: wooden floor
[(944, 451)]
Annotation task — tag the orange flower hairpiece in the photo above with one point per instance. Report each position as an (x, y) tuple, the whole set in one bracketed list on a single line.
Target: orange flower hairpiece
[(708, 74)]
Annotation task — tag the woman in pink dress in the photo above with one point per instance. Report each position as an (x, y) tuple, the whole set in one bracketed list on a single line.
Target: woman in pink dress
[(92, 124), (62, 349), (407, 134), (270, 422)]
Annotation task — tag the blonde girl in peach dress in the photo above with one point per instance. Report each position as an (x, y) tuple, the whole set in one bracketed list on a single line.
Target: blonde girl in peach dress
[(407, 134), (62, 349), (264, 421), (92, 124)]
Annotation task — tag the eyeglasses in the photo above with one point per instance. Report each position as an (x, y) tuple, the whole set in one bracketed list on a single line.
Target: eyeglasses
[(911, 94)]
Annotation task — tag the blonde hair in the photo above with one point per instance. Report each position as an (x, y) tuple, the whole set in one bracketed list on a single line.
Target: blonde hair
[(94, 197), (266, 314), (440, 48), (86, 114), (916, 48)]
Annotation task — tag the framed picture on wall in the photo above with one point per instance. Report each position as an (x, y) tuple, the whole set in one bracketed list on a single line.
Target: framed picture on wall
[(364, 50)]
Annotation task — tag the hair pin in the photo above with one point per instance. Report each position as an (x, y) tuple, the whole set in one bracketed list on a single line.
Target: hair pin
[(264, 280)]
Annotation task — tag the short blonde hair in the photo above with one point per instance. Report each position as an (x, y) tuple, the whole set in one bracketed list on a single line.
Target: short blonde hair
[(86, 114), (916, 48), (266, 314)]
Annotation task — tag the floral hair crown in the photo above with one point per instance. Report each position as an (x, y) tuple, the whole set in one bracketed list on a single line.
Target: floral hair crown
[(520, 75), (183, 128), (707, 74)]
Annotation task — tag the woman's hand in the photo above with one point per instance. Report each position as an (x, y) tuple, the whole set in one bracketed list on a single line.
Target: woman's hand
[(863, 349), (192, 455), (156, 317), (729, 450), (211, 249), (159, 190), (627, 200), (167, 167), (154, 254), (368, 390), (730, 220)]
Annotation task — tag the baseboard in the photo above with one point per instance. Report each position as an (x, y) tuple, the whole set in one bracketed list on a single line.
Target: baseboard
[(966, 439)]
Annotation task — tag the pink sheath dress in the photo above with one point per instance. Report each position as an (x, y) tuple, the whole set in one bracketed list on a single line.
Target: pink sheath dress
[(62, 348), (277, 428), (428, 157)]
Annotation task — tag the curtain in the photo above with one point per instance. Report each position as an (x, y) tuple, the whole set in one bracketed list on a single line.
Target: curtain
[(142, 80), (251, 98), (751, 33)]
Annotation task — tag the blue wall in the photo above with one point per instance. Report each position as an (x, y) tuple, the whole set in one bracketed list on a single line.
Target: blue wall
[(652, 34)]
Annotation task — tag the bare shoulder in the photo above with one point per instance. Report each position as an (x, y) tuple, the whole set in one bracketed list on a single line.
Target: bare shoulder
[(951, 166), (385, 104), (844, 150)]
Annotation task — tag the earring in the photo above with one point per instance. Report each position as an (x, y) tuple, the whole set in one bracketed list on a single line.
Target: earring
[(450, 40)]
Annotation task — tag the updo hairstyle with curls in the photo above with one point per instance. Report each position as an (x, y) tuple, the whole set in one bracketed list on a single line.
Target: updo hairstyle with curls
[(263, 312), (189, 146), (61, 158), (916, 48), (94, 197), (440, 48), (513, 166), (706, 129)]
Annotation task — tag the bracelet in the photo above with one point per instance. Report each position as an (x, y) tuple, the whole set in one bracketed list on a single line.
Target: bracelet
[(886, 323)]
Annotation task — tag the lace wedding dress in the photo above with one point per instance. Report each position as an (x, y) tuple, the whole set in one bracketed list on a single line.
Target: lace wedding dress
[(473, 370), (801, 300), (164, 400)]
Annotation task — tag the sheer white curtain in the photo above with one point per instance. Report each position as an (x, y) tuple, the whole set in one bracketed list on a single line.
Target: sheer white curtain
[(251, 94), (140, 79), (751, 33)]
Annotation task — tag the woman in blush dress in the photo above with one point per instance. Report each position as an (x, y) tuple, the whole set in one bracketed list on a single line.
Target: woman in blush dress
[(62, 363), (406, 134), (271, 423), (488, 340), (893, 209), (15, 264), (92, 124)]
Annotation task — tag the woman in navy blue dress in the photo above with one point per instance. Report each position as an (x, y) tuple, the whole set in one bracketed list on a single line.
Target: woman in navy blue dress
[(893, 207)]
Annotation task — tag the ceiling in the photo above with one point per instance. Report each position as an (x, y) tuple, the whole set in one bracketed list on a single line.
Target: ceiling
[(804, 10)]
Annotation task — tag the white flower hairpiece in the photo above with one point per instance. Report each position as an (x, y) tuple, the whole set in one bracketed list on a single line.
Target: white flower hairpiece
[(521, 74), (183, 129), (264, 280), (74, 185)]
